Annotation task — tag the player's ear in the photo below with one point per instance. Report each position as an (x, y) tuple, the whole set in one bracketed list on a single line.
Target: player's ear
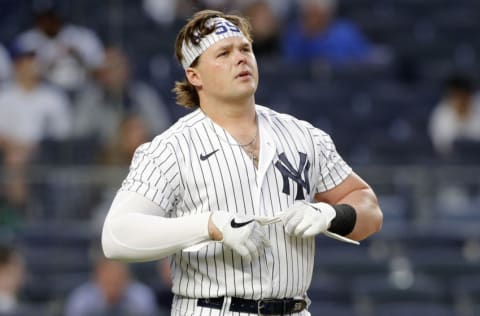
[(193, 77)]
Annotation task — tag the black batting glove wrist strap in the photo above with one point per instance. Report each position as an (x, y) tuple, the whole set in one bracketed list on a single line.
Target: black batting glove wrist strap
[(344, 221)]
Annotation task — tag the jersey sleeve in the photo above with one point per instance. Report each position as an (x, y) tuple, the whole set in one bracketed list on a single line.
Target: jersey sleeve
[(154, 174), (333, 170)]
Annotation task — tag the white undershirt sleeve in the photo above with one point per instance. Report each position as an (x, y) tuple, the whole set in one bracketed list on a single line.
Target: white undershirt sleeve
[(135, 229)]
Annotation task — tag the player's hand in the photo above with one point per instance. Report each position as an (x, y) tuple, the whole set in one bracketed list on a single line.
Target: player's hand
[(305, 219), (242, 234)]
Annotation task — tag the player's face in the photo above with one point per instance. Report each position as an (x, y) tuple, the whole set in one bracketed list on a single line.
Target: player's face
[(228, 70)]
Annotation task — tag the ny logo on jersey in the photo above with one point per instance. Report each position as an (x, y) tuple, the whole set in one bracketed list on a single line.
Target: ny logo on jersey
[(289, 172)]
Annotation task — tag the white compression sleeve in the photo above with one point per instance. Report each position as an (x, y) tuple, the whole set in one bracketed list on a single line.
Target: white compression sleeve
[(135, 230)]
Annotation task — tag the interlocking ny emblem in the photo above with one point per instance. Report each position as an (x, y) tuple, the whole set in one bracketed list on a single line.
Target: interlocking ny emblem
[(288, 172)]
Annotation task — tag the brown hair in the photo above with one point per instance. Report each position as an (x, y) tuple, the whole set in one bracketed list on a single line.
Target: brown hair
[(193, 32)]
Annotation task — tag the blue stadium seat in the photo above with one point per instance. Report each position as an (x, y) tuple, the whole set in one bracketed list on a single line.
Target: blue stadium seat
[(341, 259), (332, 309), (466, 291), (55, 233), (276, 68), (57, 258), (31, 309), (456, 208), (468, 287), (414, 309), (382, 22), (396, 210), (329, 288), (45, 287), (466, 152), (355, 74), (311, 99), (445, 265), (380, 289)]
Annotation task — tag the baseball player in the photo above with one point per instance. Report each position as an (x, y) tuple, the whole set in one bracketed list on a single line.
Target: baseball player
[(256, 185)]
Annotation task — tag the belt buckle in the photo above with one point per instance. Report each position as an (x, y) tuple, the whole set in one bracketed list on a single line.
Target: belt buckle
[(299, 306), (260, 305)]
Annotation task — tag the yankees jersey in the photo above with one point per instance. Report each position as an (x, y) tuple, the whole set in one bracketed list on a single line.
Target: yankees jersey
[(196, 166)]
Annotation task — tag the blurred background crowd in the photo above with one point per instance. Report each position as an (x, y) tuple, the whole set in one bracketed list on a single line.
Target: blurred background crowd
[(395, 82)]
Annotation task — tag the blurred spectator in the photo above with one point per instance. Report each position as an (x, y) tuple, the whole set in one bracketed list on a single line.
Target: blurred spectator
[(264, 15), (11, 217), (224, 5), (319, 34), (5, 67), (457, 116), (163, 288), (280, 8), (67, 53), (12, 274), (162, 12), (167, 12), (132, 132), (29, 113), (112, 292), (103, 105), (265, 28)]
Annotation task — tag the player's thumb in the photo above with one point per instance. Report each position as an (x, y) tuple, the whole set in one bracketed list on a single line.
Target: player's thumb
[(316, 228), (244, 253), (242, 250)]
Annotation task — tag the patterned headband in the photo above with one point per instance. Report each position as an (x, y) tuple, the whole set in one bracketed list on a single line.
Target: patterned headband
[(223, 29)]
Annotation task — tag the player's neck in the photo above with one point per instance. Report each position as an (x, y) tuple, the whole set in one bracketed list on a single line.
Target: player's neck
[(239, 119), (230, 114)]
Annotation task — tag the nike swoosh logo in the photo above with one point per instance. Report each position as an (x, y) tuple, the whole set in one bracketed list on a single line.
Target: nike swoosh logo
[(205, 157), (235, 224)]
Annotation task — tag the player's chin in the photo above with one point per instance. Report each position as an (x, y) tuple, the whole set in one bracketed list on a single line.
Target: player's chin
[(242, 94), (247, 89)]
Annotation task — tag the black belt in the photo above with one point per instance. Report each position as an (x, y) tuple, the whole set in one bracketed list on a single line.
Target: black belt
[(260, 307)]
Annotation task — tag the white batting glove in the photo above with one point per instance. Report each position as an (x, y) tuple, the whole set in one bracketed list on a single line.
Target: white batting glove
[(242, 234), (308, 219)]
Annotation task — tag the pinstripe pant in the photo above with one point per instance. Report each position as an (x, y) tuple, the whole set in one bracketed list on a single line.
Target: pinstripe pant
[(182, 306)]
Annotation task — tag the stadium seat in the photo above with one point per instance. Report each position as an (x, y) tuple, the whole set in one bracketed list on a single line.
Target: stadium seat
[(444, 265), (377, 290), (395, 208), (455, 208), (329, 288), (46, 287), (32, 309), (347, 260), (329, 308), (413, 309), (57, 258), (466, 152), (380, 288), (468, 285)]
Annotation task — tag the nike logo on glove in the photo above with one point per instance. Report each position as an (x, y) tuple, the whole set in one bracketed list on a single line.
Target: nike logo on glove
[(235, 224), (206, 156)]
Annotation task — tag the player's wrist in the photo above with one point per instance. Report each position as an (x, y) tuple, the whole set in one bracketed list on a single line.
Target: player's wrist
[(213, 231), (345, 219)]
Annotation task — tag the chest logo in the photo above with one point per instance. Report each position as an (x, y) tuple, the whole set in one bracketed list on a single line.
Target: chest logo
[(235, 224), (206, 156), (299, 175)]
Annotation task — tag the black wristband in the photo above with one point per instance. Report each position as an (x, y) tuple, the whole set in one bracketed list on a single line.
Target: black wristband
[(344, 221)]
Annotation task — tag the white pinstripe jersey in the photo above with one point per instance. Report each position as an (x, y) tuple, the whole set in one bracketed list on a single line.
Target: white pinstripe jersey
[(196, 166)]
